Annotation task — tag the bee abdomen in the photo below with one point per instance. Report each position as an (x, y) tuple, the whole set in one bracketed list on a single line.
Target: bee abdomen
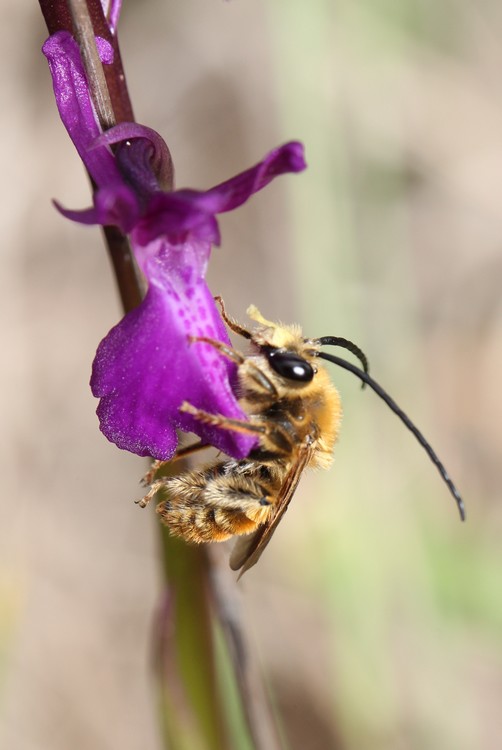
[(216, 508), (203, 524)]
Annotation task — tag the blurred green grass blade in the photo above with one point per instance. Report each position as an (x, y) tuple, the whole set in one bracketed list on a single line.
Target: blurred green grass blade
[(193, 714)]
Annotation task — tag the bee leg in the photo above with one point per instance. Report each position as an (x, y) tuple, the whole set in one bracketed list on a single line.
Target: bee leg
[(231, 323), (180, 454), (155, 487), (227, 351), (217, 420), (154, 467)]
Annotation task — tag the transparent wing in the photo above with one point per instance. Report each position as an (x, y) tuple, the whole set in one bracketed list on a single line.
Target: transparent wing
[(247, 550)]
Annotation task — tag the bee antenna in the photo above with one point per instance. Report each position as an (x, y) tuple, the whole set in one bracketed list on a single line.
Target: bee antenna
[(404, 418), (350, 346)]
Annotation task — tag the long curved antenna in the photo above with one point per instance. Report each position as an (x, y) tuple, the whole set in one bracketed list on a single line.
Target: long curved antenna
[(404, 418), (350, 346)]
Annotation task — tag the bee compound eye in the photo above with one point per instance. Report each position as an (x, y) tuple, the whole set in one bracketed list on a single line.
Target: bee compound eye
[(290, 365)]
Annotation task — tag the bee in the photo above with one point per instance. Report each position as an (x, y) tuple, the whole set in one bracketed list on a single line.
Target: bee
[(294, 410)]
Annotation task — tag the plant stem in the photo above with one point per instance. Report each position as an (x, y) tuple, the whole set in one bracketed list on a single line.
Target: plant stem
[(84, 19), (95, 74), (193, 709)]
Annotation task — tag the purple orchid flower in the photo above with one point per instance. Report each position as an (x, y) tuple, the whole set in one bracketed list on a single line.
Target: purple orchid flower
[(145, 368)]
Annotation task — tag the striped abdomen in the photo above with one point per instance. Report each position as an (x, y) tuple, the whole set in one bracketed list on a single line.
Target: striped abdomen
[(213, 504)]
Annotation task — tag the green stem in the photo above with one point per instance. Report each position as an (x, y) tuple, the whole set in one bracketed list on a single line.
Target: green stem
[(187, 647)]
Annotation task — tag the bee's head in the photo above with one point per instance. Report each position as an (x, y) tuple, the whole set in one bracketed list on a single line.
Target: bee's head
[(274, 335), (289, 354)]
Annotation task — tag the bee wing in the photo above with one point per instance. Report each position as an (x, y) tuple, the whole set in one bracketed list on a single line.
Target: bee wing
[(247, 550)]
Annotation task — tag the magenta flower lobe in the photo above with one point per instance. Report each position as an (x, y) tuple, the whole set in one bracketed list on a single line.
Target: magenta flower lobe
[(146, 367)]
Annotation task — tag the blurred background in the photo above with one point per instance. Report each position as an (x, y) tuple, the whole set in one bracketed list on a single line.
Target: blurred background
[(375, 614)]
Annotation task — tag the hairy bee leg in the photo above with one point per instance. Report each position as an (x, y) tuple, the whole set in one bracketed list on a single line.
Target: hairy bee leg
[(155, 487), (231, 322), (217, 420), (235, 356), (278, 440), (227, 351), (154, 467), (180, 454)]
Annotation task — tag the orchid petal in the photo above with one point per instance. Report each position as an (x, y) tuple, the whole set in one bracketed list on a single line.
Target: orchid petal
[(117, 206), (234, 192), (156, 158), (171, 215), (191, 212), (75, 108), (146, 368), (105, 50), (88, 216)]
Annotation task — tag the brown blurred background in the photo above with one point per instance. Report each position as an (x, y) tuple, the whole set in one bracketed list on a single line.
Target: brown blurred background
[(376, 615)]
